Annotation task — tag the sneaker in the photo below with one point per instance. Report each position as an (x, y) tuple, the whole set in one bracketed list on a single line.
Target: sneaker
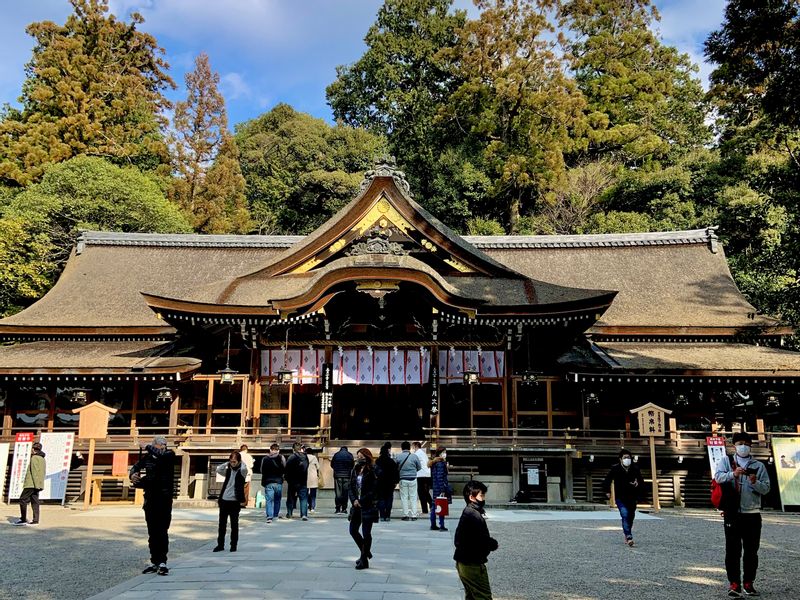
[(150, 569), (413, 518), (162, 569), (33, 522), (406, 518), (629, 541), (735, 590), (434, 528), (218, 549), (749, 590), (311, 510), (288, 516), (304, 518), (443, 528), (20, 522), (269, 520)]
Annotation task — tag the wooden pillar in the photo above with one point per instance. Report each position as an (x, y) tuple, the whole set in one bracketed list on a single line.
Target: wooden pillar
[(134, 407), (654, 470), (173, 417), (515, 474), (183, 489), (87, 486), (8, 422), (568, 483)]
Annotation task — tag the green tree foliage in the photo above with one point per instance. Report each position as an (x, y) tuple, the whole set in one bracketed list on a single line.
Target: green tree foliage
[(514, 103), (26, 270), (90, 193), (396, 88), (299, 170), (209, 186), (644, 99), (759, 72), (755, 91), (94, 86)]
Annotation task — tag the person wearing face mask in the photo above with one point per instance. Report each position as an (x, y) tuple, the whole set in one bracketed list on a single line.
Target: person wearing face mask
[(473, 544), (628, 485), (743, 526), (231, 499), (158, 464), (364, 511)]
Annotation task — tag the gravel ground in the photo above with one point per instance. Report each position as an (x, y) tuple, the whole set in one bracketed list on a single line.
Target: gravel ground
[(75, 554), (679, 556)]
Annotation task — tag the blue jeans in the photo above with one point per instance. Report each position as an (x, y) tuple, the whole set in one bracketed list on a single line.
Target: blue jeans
[(272, 493), (296, 491), (627, 512)]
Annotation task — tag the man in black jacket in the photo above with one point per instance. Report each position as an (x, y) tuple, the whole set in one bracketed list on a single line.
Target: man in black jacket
[(158, 482), (628, 485), (473, 544), (297, 482), (342, 465)]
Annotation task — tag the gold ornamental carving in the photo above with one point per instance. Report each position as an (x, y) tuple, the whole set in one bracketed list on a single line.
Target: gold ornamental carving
[(380, 211)]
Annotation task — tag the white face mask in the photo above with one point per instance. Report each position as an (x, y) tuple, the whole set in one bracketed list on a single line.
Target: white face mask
[(743, 450), (626, 462), (444, 454)]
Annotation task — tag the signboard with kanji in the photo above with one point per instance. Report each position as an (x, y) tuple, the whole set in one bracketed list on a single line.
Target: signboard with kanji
[(58, 455), (652, 421)]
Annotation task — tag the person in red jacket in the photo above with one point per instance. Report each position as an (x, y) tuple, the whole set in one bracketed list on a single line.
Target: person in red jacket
[(473, 544)]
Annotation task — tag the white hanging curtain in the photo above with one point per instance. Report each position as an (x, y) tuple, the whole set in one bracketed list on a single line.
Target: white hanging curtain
[(453, 363)]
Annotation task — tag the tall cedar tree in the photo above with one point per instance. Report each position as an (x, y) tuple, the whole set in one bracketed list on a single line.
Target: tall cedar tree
[(644, 99), (218, 204), (94, 86), (515, 102), (397, 86)]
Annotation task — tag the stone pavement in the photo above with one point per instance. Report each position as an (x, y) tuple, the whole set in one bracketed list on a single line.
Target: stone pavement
[(315, 560)]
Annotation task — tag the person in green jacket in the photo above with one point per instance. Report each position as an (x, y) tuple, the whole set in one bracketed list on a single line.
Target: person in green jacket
[(33, 484)]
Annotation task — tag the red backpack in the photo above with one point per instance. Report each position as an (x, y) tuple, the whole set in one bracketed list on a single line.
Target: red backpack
[(717, 490)]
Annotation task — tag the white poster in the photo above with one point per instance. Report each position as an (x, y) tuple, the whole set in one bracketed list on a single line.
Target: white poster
[(533, 476), (19, 466), (716, 452), (57, 448), (3, 464)]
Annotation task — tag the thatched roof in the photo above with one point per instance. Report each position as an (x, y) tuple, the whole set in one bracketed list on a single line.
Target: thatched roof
[(678, 282), (135, 359)]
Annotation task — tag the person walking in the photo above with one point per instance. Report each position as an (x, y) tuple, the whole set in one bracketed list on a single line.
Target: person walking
[(297, 482), (388, 477), (158, 482), (441, 484), (313, 478), (248, 461), (273, 467), (628, 485), (423, 478), (750, 481), (473, 544), (408, 465), (342, 466), (231, 499), (363, 514), (31, 486)]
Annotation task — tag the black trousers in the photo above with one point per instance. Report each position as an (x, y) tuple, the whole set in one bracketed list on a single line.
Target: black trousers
[(742, 539), (424, 493), (342, 487), (228, 509), (29, 496), (158, 516), (364, 539)]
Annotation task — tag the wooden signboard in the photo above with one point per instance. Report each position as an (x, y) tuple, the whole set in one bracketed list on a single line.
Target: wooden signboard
[(119, 464), (92, 425), (652, 424)]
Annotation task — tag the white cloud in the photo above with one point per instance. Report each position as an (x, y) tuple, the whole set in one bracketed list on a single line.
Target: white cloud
[(234, 87)]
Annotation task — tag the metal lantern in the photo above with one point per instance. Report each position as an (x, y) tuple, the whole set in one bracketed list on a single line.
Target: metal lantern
[(470, 377)]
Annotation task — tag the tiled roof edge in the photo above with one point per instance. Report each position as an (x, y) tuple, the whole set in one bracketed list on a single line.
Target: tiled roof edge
[(183, 240), (603, 240)]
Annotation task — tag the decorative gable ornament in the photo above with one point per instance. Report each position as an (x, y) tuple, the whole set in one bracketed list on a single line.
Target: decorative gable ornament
[(386, 166)]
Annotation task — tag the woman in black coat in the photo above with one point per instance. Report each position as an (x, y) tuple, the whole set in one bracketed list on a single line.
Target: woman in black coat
[(364, 512), (388, 476)]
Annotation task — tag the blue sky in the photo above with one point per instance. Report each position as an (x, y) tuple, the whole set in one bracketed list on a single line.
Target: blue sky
[(271, 51)]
